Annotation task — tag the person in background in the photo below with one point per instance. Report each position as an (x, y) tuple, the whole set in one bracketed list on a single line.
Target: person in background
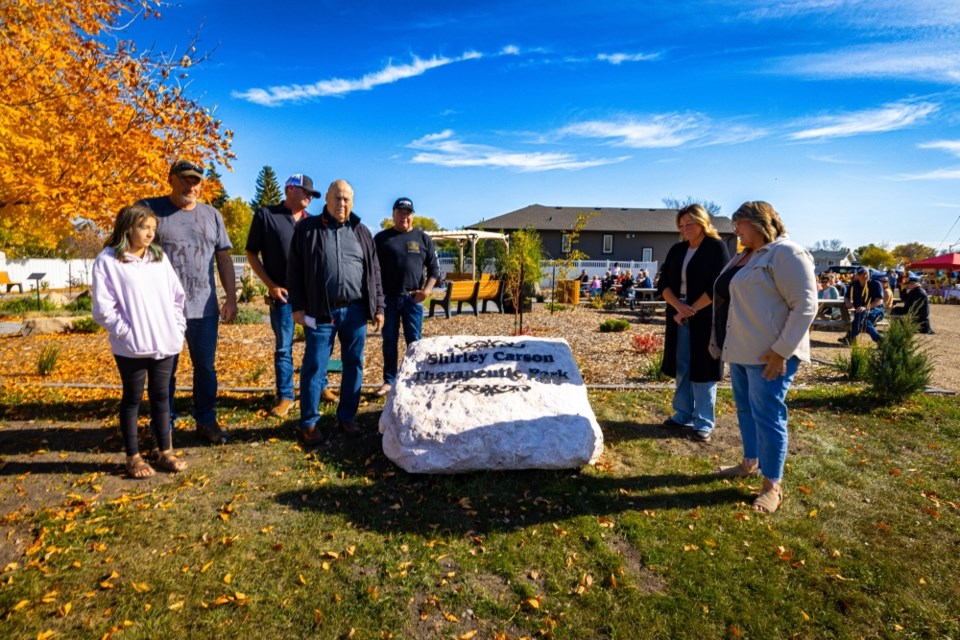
[(268, 243), (334, 288), (915, 302), (829, 292), (194, 238), (596, 287), (766, 301), (643, 280), (139, 300), (887, 295), (627, 294), (865, 297), (405, 255), (686, 284)]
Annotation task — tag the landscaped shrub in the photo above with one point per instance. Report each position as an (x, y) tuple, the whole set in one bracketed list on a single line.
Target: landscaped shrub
[(82, 304), (853, 367), (246, 315), (609, 300), (250, 288), (654, 368), (556, 306), (85, 324), (614, 325), (47, 360), (898, 367), (646, 343), (23, 304)]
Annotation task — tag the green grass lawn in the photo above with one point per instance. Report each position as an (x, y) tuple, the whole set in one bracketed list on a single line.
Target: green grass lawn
[(261, 539)]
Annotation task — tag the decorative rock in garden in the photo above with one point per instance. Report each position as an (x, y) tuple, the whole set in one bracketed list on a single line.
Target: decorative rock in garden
[(468, 403), (37, 326)]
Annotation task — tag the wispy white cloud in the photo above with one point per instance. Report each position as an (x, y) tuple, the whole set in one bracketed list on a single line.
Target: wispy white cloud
[(275, 96), (930, 61), (936, 174), (510, 50), (950, 146), (834, 160), (662, 131), (619, 58), (443, 149), (863, 14), (889, 117)]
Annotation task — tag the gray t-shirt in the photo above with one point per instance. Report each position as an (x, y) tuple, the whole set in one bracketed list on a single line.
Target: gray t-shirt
[(190, 238)]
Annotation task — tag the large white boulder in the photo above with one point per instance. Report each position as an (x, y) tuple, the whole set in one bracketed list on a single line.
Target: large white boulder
[(469, 403)]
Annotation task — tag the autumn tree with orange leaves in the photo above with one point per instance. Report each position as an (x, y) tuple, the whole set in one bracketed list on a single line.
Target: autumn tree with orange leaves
[(89, 124)]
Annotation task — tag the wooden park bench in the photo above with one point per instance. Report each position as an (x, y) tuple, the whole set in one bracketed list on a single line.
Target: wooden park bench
[(10, 284), (457, 291), (490, 291)]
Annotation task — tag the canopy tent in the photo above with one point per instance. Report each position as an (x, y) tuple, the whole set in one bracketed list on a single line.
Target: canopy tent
[(469, 235), (948, 261)]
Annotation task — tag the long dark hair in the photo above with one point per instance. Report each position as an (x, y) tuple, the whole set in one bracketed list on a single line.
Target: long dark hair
[(127, 220)]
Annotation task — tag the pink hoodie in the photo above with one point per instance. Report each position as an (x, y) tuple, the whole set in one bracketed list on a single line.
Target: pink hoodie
[(140, 303)]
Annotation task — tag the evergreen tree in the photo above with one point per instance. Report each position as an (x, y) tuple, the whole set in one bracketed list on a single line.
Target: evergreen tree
[(216, 193), (268, 189)]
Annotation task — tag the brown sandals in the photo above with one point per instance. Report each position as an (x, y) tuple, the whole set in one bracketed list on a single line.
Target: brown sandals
[(139, 469), (169, 462)]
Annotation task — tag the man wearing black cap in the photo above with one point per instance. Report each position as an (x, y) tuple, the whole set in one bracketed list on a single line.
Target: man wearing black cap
[(915, 302), (194, 238), (268, 244), (865, 297), (405, 255)]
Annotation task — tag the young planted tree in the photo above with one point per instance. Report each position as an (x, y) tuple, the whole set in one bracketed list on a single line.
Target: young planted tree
[(563, 266), (89, 123), (898, 368), (520, 267), (268, 189)]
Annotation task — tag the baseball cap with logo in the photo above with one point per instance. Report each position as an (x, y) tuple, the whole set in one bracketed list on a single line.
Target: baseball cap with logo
[(404, 203), (304, 182), (185, 168), (862, 270)]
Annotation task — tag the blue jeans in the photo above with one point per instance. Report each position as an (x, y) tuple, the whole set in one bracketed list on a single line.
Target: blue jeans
[(868, 320), (762, 414), (350, 325), (281, 320), (201, 337), (693, 402), (399, 309)]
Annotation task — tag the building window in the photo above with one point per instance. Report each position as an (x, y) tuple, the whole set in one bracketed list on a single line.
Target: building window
[(648, 254), (608, 243), (565, 243)]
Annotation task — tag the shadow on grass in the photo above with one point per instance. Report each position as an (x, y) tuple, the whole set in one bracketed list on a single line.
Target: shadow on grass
[(392, 500), (616, 432), (16, 468), (502, 501)]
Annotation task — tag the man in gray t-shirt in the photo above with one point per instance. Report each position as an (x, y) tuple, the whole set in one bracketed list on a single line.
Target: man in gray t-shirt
[(194, 238)]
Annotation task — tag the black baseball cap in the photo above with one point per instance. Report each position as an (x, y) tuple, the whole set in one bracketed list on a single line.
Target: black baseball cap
[(185, 168), (404, 203)]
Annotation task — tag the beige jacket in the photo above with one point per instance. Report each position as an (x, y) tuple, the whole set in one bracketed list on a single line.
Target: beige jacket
[(773, 301)]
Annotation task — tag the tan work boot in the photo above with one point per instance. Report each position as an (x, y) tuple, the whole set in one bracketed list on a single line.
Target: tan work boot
[(282, 408)]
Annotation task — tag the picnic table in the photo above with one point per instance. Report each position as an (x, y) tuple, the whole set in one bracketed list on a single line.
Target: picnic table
[(826, 317)]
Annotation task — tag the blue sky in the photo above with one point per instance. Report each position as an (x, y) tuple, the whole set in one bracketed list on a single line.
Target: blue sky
[(843, 114)]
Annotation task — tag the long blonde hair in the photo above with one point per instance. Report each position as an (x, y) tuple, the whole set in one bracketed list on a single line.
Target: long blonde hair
[(701, 217)]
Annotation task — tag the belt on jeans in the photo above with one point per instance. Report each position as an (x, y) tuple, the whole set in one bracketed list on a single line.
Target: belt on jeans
[(339, 304)]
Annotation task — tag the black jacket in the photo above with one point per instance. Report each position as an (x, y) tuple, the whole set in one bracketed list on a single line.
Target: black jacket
[(702, 271), (305, 289)]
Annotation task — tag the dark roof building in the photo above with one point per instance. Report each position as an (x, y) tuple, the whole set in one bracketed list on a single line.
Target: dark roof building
[(611, 233)]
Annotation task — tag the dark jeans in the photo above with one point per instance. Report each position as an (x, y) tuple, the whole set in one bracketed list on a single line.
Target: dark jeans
[(399, 310), (133, 372), (201, 337)]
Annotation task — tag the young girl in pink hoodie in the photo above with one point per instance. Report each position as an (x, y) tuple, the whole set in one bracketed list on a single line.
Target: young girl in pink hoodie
[(138, 299)]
